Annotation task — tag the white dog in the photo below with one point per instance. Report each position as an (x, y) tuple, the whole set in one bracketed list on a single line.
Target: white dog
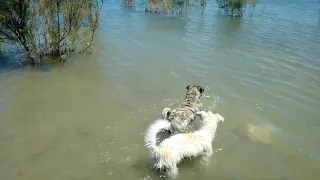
[(177, 147)]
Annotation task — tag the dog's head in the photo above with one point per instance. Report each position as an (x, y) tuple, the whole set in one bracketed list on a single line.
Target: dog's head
[(196, 90)]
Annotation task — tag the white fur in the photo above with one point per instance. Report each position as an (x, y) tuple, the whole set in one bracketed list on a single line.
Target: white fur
[(172, 150), (152, 131)]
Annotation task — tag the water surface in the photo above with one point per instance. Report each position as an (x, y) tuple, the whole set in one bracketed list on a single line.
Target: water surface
[(85, 119)]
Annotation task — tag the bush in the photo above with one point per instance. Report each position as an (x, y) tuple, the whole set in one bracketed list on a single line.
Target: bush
[(235, 8), (172, 6), (48, 27)]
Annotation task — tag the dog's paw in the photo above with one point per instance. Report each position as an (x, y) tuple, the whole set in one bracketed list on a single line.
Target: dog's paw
[(202, 114)]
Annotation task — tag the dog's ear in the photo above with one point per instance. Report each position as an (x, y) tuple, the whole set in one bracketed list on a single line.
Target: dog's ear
[(188, 87), (201, 89), (168, 113)]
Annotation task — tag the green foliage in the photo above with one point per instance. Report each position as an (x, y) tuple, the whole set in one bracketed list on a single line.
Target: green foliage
[(172, 6), (236, 8), (15, 26), (48, 27)]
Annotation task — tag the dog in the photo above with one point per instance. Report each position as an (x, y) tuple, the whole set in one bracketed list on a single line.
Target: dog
[(171, 151), (186, 112)]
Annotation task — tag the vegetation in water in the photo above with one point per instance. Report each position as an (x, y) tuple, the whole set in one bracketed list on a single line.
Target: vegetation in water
[(236, 8), (49, 27), (167, 6), (128, 3), (58, 27)]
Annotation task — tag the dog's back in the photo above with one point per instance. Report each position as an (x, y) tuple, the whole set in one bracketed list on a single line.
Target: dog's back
[(186, 111), (181, 117)]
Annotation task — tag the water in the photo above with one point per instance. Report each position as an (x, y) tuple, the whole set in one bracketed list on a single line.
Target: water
[(85, 119)]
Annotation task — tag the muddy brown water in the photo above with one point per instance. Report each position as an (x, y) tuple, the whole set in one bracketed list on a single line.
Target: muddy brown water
[(85, 119)]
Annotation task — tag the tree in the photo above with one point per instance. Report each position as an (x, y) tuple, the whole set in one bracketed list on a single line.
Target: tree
[(64, 20), (14, 24), (49, 27)]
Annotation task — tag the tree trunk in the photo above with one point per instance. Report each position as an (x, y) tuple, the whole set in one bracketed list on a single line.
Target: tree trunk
[(58, 19), (29, 53)]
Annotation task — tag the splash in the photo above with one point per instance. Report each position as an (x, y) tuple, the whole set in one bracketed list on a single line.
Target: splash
[(171, 102), (146, 177), (210, 101)]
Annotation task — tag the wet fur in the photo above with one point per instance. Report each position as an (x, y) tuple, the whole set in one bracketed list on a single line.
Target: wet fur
[(181, 116), (178, 147)]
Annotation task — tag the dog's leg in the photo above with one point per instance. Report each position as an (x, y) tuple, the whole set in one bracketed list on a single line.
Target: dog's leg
[(173, 172), (155, 163), (209, 151), (205, 160)]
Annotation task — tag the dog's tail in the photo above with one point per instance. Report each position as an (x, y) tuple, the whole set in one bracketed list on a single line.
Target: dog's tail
[(152, 131)]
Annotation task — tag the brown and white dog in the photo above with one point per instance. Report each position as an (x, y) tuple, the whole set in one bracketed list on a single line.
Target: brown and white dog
[(181, 116)]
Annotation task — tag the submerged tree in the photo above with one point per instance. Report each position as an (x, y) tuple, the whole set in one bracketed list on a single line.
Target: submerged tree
[(128, 3), (49, 28), (172, 6), (236, 8)]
